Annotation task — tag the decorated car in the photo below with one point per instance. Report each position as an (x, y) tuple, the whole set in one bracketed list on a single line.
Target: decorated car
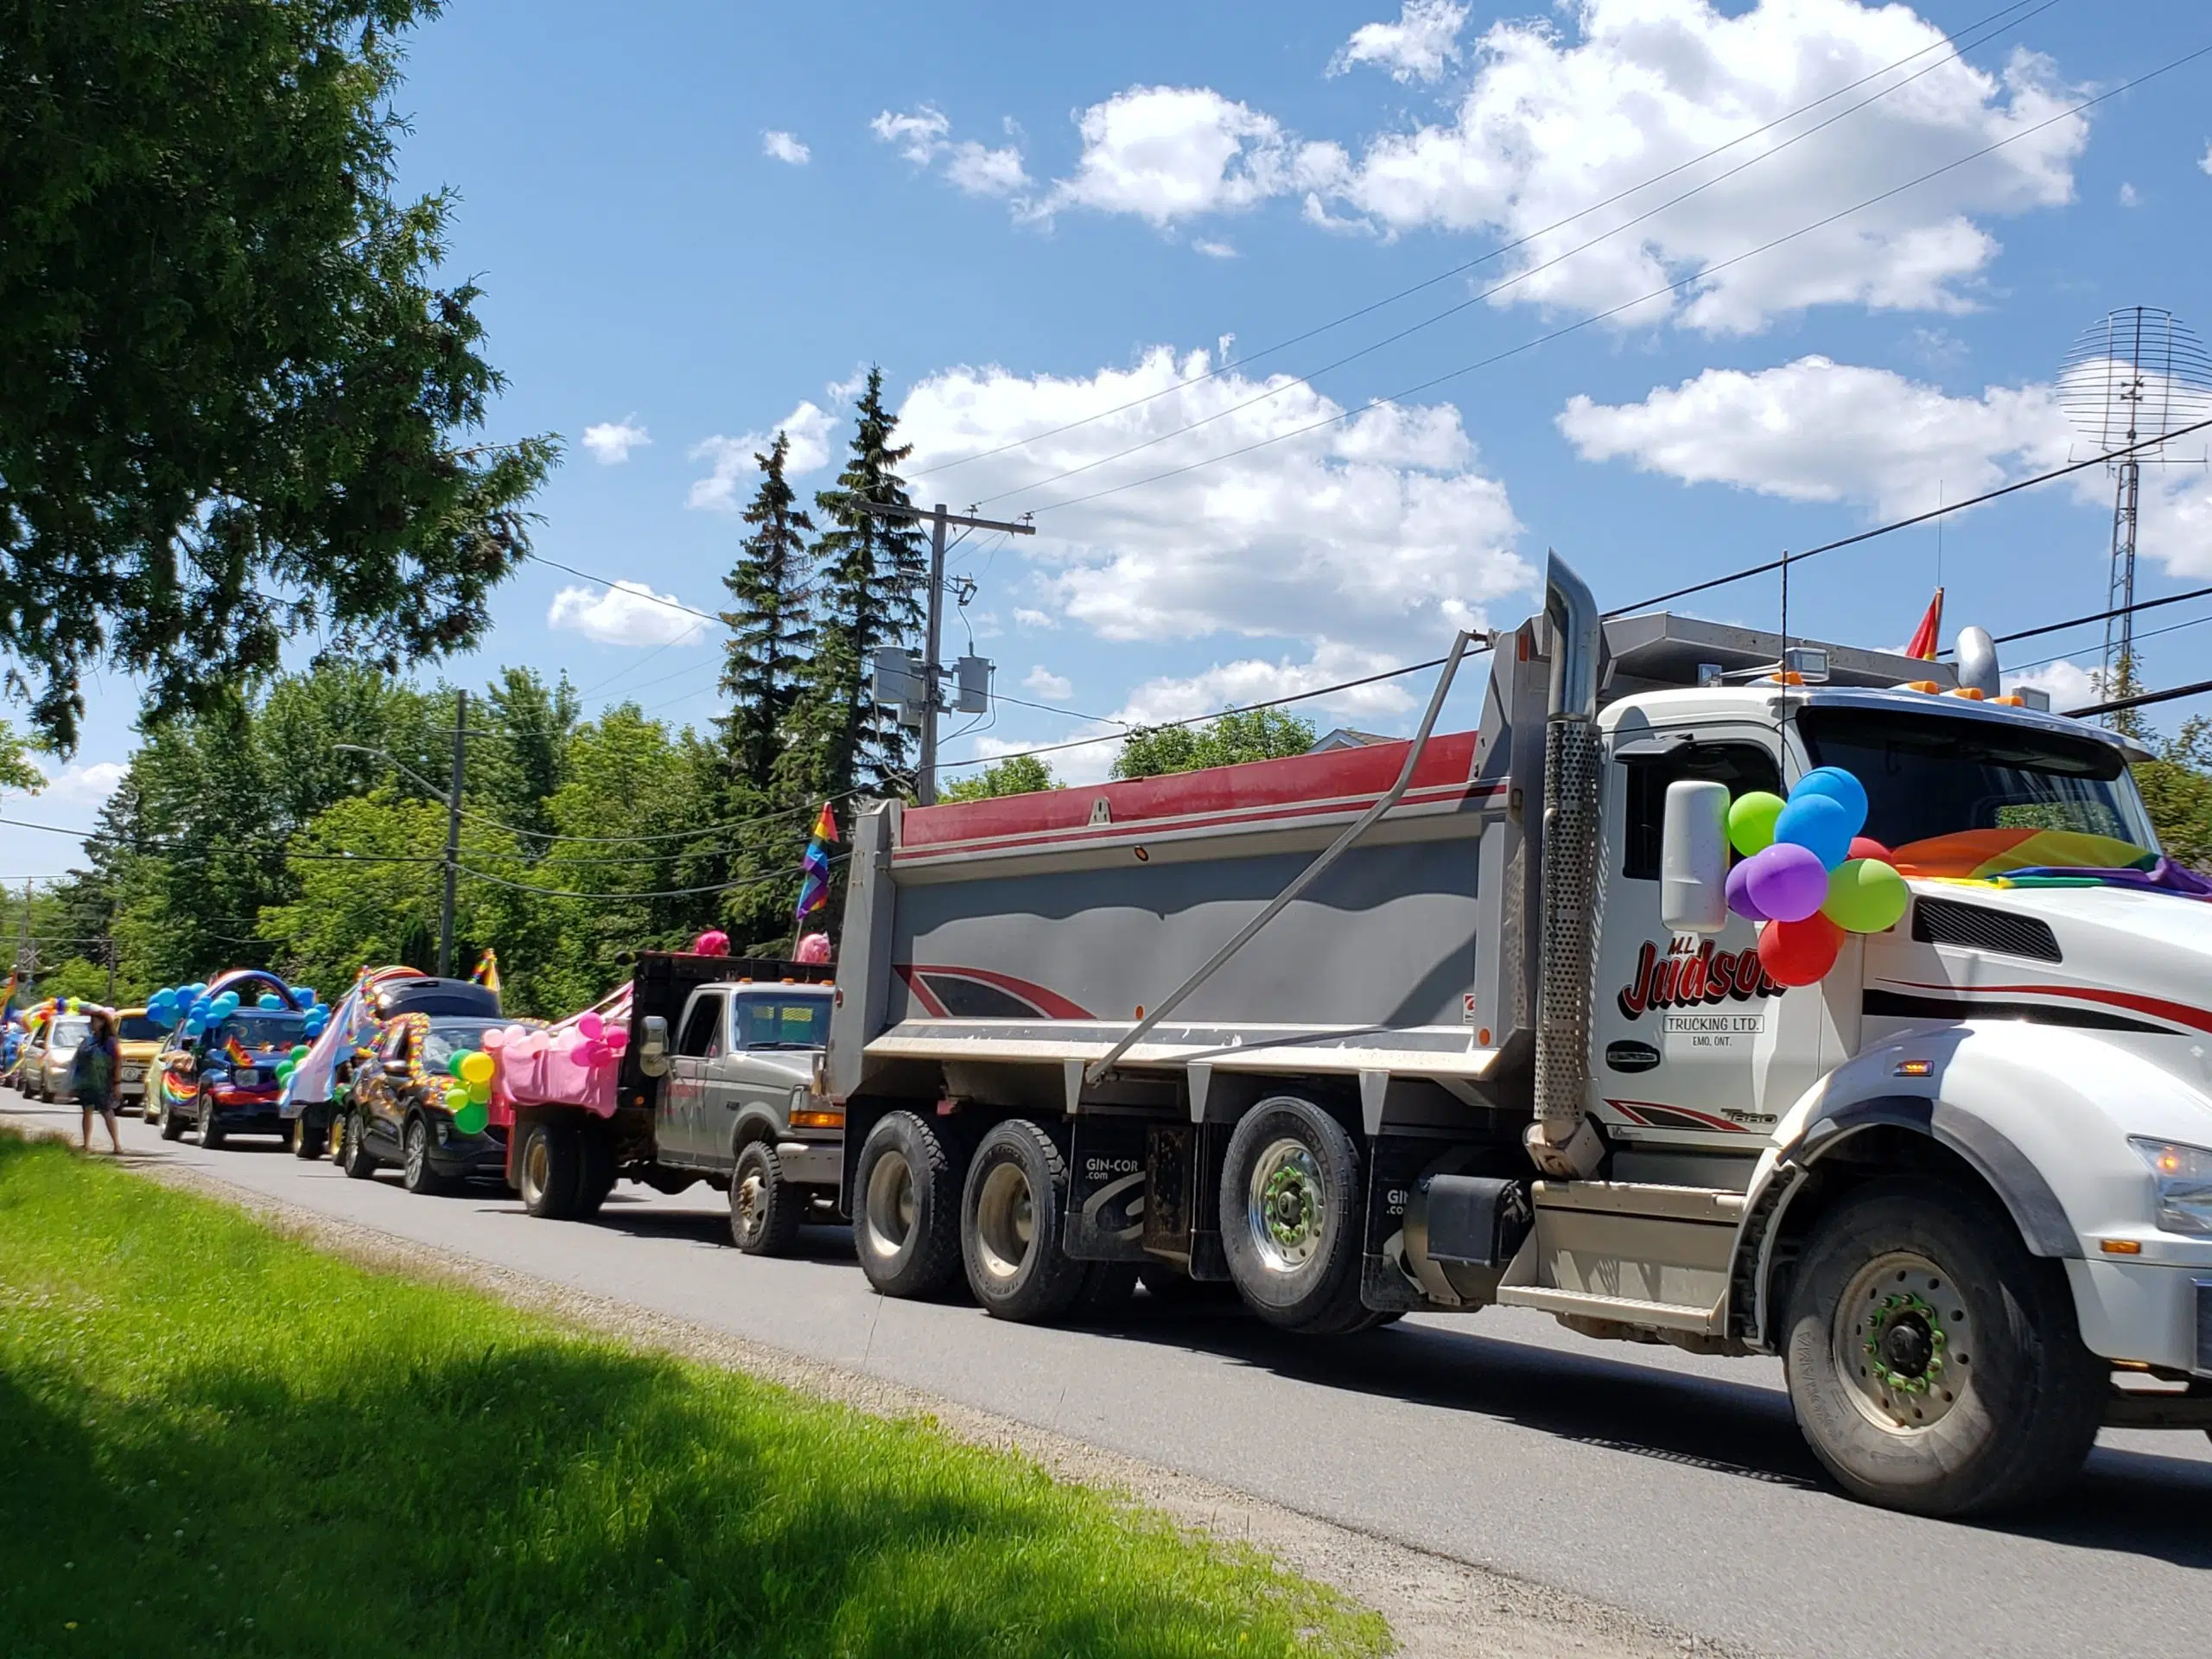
[(318, 1087), (422, 1101), (217, 1072)]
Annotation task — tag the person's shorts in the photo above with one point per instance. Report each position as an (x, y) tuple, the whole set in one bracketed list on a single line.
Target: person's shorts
[(92, 1101)]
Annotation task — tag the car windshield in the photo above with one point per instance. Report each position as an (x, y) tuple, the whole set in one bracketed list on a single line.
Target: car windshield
[(68, 1033), (258, 1031), (1959, 796), (783, 1021), (138, 1029), (447, 1037)]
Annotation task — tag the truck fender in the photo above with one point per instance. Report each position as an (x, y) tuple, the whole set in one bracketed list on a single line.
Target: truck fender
[(755, 1121), (2040, 1114)]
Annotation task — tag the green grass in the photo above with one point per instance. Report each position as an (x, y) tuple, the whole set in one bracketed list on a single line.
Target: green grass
[(217, 1440)]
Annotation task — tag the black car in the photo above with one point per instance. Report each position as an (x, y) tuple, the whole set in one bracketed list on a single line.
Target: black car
[(392, 991), (397, 1112)]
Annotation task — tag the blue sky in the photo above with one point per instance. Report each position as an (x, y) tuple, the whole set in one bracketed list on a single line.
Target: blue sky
[(695, 222)]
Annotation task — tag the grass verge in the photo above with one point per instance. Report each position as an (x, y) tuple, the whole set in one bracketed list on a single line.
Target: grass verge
[(218, 1440)]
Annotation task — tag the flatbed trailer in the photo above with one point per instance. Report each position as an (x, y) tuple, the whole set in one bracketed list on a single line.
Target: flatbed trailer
[(1418, 1026)]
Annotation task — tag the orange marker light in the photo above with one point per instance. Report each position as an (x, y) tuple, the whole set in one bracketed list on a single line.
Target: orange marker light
[(2121, 1246), (1915, 1068)]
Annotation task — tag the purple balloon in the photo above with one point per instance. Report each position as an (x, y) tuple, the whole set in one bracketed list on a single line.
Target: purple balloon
[(1787, 881), (1739, 897)]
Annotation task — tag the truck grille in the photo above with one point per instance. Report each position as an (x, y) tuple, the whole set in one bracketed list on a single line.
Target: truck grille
[(1946, 921), (2204, 1326)]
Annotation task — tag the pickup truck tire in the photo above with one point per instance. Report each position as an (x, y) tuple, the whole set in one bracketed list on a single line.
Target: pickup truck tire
[(906, 1208), (1013, 1215), (353, 1155), (1293, 1206), (597, 1178), (211, 1129), (1935, 1365), (765, 1208), (416, 1173), (172, 1125), (550, 1169)]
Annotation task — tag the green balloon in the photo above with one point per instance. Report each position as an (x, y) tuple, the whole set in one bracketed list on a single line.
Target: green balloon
[(1751, 820), (1866, 896), (471, 1119), (285, 1069), (478, 1093), (299, 1051), (453, 1064)]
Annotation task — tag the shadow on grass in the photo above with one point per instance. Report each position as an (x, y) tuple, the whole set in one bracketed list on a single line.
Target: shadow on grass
[(263, 1451)]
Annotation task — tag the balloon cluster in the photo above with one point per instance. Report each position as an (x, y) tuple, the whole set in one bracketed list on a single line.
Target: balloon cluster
[(589, 1041), (1808, 876), (192, 1008), (468, 1095), (290, 1063)]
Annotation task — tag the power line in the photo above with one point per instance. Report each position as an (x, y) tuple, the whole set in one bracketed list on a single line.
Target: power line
[(1697, 276), (2154, 633), (666, 892), (2103, 616), (1503, 249), (2142, 700), (1496, 289)]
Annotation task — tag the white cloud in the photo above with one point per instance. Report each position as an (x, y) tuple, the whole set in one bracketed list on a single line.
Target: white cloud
[(2205, 163), (83, 784), (1213, 250), (1027, 618), (1817, 431), (785, 147), (1053, 688), (1421, 46), (628, 613), (923, 137), (1171, 153), (1254, 680), (1551, 123), (1378, 532), (2070, 685), (611, 442), (736, 468), (2130, 196)]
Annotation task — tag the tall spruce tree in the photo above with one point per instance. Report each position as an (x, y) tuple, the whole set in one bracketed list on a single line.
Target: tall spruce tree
[(874, 570), (770, 625)]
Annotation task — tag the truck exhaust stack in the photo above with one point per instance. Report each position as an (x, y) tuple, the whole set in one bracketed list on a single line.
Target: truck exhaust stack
[(1561, 1140)]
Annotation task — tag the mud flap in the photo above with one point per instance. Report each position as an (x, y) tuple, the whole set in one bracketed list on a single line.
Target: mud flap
[(1106, 1189), (1394, 1164), (1182, 1170)]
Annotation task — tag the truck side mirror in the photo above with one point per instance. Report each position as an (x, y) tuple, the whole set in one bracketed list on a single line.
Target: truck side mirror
[(1694, 858), (653, 1053)]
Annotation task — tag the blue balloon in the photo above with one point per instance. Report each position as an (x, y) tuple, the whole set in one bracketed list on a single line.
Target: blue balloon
[(228, 1002), (270, 1001), (304, 996), (1818, 823), (1840, 787), (194, 1025), (198, 987)]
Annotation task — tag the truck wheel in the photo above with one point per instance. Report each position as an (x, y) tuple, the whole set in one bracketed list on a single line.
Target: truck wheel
[(906, 1221), (211, 1131), (172, 1125), (1935, 1365), (552, 1167), (415, 1174), (596, 1179), (300, 1135), (1291, 1206), (765, 1208), (1012, 1212), (353, 1155)]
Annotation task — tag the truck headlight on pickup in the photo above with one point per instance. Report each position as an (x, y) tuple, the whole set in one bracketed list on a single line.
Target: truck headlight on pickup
[(2181, 1181), (804, 1114)]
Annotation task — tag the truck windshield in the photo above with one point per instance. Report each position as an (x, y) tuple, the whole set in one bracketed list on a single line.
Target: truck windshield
[(1955, 795), (138, 1029), (783, 1021), (258, 1031)]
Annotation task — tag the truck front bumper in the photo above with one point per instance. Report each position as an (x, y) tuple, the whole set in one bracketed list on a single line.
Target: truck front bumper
[(811, 1163), (2157, 1312)]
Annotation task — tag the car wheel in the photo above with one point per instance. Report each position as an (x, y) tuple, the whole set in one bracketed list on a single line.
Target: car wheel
[(300, 1135), (765, 1208), (906, 1208), (1935, 1365), (1292, 1204), (172, 1125), (551, 1168), (353, 1155), (211, 1130), (1013, 1210), (416, 1173)]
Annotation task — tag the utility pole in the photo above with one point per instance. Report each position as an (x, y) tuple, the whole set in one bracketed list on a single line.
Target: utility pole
[(933, 624), (26, 954), (453, 835)]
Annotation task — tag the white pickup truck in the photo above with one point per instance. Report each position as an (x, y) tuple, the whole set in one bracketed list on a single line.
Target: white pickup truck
[(1418, 1026)]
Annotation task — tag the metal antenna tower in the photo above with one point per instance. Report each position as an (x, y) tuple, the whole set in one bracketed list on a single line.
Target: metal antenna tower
[(2132, 380)]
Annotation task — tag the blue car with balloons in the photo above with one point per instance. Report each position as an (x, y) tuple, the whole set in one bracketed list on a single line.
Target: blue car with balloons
[(232, 1042)]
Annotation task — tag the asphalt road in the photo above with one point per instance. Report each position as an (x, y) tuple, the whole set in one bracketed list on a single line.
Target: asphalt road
[(1669, 1485)]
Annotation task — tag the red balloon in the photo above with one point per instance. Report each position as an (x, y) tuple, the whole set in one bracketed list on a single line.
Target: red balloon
[(1867, 847), (1800, 953)]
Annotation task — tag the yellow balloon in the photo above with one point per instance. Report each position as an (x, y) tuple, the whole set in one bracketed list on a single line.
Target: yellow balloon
[(477, 1068)]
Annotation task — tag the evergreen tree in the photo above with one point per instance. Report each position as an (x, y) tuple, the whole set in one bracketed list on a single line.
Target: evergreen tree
[(874, 570), (771, 631)]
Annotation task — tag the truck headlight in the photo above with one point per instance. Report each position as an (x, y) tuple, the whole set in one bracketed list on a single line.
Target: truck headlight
[(2181, 1181)]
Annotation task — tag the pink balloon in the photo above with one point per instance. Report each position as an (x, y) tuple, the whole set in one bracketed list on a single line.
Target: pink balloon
[(1787, 882), (616, 1041), (492, 1040), (590, 1024), (1739, 898)]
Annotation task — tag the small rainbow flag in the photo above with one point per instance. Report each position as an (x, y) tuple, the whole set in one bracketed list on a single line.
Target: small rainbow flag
[(487, 971), (814, 889), (236, 1052)]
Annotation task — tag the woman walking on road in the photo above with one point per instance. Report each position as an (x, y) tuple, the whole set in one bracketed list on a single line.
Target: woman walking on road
[(96, 1074)]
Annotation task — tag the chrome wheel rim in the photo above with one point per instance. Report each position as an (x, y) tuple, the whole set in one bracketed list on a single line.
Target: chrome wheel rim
[(747, 1204), (1005, 1221), (1286, 1206), (892, 1206), (535, 1168), (1904, 1339), (418, 1150)]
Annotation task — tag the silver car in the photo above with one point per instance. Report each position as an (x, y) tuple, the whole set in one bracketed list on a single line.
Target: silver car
[(51, 1080)]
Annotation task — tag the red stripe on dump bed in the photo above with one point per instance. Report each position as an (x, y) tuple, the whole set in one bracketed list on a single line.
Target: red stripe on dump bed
[(1294, 781)]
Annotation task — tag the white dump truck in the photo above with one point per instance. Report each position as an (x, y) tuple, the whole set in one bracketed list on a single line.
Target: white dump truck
[(1420, 1026)]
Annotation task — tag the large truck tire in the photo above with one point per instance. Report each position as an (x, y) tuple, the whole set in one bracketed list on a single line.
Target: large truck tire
[(1293, 1205), (1013, 1211), (552, 1167), (1935, 1365), (765, 1208), (597, 1178), (906, 1209), (353, 1155)]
